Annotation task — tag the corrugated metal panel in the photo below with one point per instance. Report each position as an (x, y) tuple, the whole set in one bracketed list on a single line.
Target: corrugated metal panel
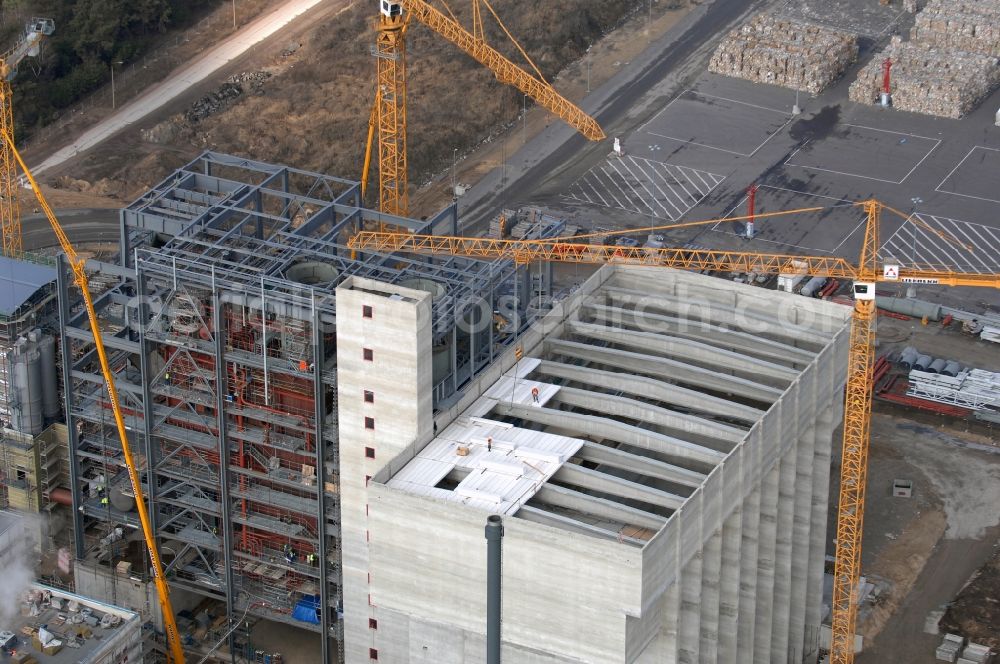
[(19, 281)]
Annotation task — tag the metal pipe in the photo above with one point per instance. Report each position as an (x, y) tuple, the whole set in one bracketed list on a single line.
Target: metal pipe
[(494, 542)]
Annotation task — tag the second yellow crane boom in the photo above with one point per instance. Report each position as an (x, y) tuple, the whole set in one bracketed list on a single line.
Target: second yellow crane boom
[(77, 264)]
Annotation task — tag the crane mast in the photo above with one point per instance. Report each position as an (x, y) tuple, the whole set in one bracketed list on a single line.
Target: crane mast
[(77, 264), (390, 101), (390, 93), (10, 210), (865, 274), (854, 451)]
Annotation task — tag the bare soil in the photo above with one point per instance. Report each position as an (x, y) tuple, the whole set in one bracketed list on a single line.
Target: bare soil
[(60, 198), (313, 111)]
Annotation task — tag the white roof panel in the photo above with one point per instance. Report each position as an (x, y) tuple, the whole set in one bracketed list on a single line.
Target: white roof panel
[(503, 466)]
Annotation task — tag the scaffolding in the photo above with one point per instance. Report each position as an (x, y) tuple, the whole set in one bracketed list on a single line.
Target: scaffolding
[(221, 332)]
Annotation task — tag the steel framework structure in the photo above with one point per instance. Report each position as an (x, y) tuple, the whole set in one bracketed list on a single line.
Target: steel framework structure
[(220, 333)]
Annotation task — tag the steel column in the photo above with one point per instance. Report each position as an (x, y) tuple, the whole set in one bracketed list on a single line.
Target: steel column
[(320, 449), (224, 460), (494, 579), (62, 288)]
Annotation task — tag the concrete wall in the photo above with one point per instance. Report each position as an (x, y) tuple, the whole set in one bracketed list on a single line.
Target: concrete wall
[(400, 376), (130, 592), (738, 569), (565, 595)]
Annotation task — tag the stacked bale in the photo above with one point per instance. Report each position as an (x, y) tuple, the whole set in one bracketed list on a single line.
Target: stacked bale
[(781, 51), (949, 65), (941, 82), (964, 26)]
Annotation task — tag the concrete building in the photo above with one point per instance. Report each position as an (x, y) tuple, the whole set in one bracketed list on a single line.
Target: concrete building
[(49, 625), (660, 451)]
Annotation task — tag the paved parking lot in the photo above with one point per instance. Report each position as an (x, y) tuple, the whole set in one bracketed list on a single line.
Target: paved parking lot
[(964, 246), (735, 133), (797, 232), (977, 175), (718, 123), (865, 152)]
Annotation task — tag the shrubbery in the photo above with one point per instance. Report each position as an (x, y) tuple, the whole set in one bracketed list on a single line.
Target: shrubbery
[(90, 35)]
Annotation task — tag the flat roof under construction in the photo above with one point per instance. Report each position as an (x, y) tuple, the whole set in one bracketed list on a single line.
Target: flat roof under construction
[(648, 382)]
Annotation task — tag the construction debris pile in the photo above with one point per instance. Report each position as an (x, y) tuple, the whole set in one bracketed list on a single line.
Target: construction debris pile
[(250, 82), (781, 51), (975, 613), (947, 68)]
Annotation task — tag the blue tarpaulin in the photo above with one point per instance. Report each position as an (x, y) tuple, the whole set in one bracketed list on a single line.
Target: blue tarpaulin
[(307, 610)]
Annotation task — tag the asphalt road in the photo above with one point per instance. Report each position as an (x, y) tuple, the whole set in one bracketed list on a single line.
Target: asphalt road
[(82, 226), (179, 82), (614, 102)]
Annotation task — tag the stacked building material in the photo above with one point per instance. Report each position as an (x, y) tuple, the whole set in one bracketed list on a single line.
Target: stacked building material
[(781, 51), (934, 81), (990, 333), (972, 26), (973, 388), (949, 65), (975, 653), (950, 646)]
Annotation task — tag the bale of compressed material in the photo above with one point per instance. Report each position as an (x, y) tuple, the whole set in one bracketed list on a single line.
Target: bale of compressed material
[(781, 51), (944, 82), (964, 25)]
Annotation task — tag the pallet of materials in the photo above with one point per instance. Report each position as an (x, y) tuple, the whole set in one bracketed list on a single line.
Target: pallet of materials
[(948, 66), (990, 333)]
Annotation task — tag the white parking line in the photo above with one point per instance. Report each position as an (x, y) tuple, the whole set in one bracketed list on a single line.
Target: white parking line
[(937, 142), (912, 241), (704, 145), (663, 110), (696, 94), (922, 159), (644, 186), (959, 165), (651, 181), (843, 240), (736, 101), (889, 131)]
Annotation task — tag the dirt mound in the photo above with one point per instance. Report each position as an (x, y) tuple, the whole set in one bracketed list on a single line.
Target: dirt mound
[(975, 612)]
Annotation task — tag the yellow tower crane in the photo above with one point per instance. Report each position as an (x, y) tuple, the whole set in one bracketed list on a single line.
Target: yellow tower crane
[(80, 277), (389, 112), (36, 30), (865, 273)]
